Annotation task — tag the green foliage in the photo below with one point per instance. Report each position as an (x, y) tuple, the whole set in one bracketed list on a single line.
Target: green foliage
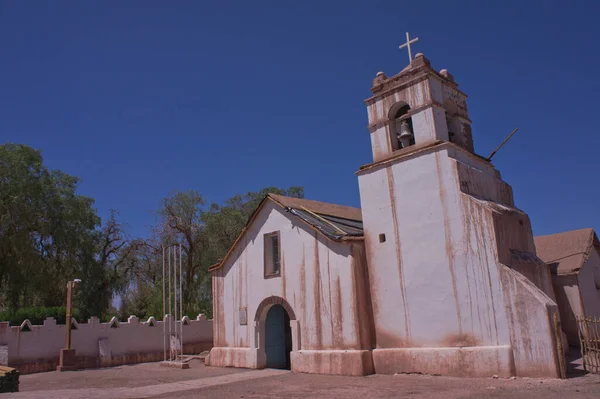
[(143, 302), (49, 234), (205, 233), (47, 231), (37, 314)]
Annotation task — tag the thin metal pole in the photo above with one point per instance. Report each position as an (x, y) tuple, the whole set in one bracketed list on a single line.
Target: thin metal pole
[(500, 146), (164, 304), (180, 303), (68, 317), (170, 315), (175, 295)]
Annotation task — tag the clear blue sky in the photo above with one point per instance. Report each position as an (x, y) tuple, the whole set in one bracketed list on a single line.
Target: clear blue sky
[(142, 97)]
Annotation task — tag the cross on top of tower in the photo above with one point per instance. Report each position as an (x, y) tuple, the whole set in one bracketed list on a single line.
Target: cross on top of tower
[(407, 44)]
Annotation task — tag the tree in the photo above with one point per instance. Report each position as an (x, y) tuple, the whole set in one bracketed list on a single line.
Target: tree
[(182, 223), (205, 234), (47, 230), (107, 274), (223, 224), (49, 234)]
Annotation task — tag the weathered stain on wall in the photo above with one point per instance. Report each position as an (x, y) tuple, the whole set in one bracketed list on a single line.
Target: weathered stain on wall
[(398, 251), (532, 338), (569, 305), (455, 245), (428, 94), (589, 285), (317, 280)]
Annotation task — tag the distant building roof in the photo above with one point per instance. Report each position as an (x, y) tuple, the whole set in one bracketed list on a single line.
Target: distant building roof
[(336, 222), (566, 252)]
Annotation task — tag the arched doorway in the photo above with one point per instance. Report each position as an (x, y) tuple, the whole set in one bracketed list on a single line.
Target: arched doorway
[(278, 337)]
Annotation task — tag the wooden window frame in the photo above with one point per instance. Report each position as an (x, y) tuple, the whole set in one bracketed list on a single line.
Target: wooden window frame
[(266, 252)]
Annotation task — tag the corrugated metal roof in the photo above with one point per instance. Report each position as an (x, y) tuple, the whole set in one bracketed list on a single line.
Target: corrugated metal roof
[(322, 208), (333, 227)]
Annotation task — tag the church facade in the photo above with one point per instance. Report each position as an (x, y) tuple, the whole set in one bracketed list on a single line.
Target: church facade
[(436, 273), (293, 292)]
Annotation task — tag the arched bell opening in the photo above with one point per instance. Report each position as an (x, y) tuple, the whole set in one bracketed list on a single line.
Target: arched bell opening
[(452, 122), (401, 126)]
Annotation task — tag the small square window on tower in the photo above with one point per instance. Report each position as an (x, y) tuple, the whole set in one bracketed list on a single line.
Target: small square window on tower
[(272, 254), (382, 237)]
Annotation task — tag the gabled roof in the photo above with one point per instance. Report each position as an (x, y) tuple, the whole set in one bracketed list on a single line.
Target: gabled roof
[(323, 208), (336, 222), (566, 252)]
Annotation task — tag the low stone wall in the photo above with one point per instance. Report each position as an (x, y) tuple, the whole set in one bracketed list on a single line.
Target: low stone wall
[(32, 349)]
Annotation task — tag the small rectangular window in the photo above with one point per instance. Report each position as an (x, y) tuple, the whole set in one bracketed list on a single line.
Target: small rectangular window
[(272, 254), (382, 237)]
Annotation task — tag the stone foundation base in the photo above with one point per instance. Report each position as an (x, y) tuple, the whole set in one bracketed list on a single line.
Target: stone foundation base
[(67, 360), (175, 365), (234, 357), (338, 362), (476, 361)]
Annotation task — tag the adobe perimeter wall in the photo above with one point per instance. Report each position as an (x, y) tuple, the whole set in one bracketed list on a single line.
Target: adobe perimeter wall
[(98, 344)]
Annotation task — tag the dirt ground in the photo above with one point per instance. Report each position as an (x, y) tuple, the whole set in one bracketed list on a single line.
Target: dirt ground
[(151, 380), (398, 386), (123, 376)]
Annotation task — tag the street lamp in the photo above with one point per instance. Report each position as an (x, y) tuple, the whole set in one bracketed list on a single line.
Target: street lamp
[(67, 359), (70, 287)]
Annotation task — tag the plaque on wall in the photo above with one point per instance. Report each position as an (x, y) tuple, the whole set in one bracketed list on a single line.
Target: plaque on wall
[(243, 317)]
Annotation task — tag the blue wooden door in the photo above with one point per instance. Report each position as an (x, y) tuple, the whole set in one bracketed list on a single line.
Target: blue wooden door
[(275, 338)]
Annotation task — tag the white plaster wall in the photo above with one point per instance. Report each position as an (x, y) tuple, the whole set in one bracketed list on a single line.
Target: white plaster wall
[(569, 304), (474, 162), (415, 96), (457, 97), (590, 293), (434, 299), (430, 124), (436, 281), (530, 318), (441, 127), (478, 183), (381, 143), (318, 279), (596, 263), (376, 112), (46, 341), (437, 92), (578, 296)]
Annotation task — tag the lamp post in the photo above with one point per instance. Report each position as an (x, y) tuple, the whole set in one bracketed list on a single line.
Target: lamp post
[(70, 287), (67, 360)]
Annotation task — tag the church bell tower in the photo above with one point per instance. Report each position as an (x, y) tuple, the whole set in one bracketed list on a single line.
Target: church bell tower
[(416, 106), (455, 284)]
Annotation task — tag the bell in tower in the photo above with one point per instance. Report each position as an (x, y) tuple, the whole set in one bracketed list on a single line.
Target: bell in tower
[(458, 255), (405, 135), (416, 106)]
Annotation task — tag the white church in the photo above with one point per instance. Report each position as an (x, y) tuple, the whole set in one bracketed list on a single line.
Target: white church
[(436, 273)]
